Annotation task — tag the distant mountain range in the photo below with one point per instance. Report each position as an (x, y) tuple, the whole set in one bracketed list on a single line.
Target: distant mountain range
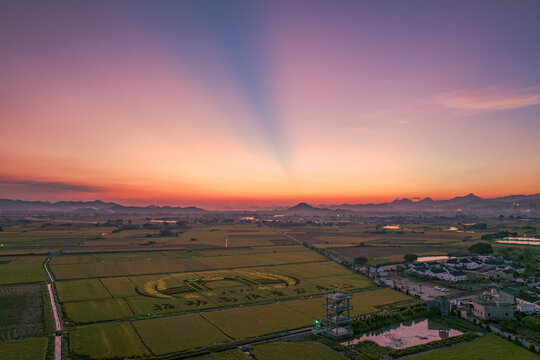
[(469, 204), (97, 207), (525, 205)]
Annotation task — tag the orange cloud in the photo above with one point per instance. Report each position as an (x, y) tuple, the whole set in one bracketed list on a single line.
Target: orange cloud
[(490, 99)]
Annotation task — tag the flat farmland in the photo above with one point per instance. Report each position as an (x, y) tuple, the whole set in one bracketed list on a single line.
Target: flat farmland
[(253, 321), (234, 354), (295, 351), (350, 253), (29, 349), (97, 310), (40, 236), (490, 346), (251, 250), (217, 236), (74, 290), (21, 269), (379, 297), (354, 235), (21, 311), (183, 333), (131, 296), (179, 333), (159, 263), (106, 342)]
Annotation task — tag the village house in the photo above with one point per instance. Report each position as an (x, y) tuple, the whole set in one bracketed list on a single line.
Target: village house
[(529, 298), (457, 276), (492, 310)]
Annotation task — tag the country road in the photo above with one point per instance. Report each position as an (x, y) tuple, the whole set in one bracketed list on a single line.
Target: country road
[(56, 314)]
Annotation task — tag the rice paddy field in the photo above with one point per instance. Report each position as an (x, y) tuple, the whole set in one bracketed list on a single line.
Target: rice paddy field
[(21, 312), (29, 349), (133, 293), (243, 278), (21, 269), (490, 346), (295, 351), (178, 334), (235, 354), (107, 342), (383, 246)]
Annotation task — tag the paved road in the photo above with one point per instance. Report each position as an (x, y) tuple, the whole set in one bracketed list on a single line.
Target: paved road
[(287, 236), (56, 312)]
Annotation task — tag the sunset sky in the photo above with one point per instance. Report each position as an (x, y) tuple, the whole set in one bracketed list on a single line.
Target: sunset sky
[(215, 103)]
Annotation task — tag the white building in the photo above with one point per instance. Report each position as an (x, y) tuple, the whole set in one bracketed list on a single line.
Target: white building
[(526, 308), (457, 276)]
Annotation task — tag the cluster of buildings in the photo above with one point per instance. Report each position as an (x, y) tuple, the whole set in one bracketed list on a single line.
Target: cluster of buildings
[(485, 307), (496, 304), (460, 269), (527, 300), (501, 303)]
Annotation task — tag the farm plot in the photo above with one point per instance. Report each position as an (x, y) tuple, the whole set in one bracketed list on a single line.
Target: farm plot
[(88, 289), (253, 321), (295, 351), (106, 342), (20, 270), (97, 310), (350, 253), (379, 297), (235, 354), (194, 291), (29, 349), (346, 283), (179, 333), (311, 270), (342, 239), (119, 286), (490, 346), (160, 264), (251, 250), (21, 312)]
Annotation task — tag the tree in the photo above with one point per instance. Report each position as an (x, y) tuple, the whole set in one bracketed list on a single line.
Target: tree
[(410, 257), (166, 232), (526, 254), (481, 248), (361, 261)]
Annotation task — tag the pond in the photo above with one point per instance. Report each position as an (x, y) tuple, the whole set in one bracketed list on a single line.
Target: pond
[(408, 334), (519, 241), (432, 258)]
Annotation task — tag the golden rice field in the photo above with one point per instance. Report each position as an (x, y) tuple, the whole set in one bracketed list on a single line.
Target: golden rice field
[(107, 342), (29, 349), (490, 346), (130, 296), (187, 332), (295, 351), (234, 354), (19, 270), (179, 333), (253, 321), (157, 264)]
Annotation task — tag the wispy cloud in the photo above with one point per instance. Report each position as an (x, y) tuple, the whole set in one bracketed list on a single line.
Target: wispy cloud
[(490, 98), (52, 186)]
